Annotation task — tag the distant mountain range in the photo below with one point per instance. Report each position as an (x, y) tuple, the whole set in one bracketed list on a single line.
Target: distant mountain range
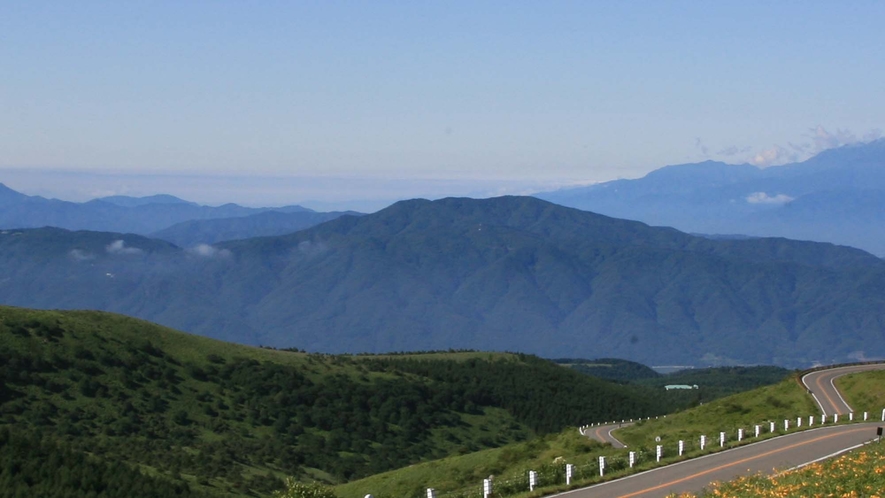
[(837, 196), (510, 273), (162, 216)]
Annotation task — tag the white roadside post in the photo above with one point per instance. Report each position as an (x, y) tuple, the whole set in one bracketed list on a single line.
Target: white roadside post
[(851, 416), (883, 415), (681, 447), (740, 434), (431, 493), (810, 420), (703, 441), (659, 452), (771, 427), (486, 488), (533, 480), (721, 439), (786, 425), (799, 422), (836, 418), (866, 415), (601, 466), (569, 471), (632, 458), (757, 430)]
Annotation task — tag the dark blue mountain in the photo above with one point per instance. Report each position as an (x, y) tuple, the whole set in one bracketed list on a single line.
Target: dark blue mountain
[(837, 196), (142, 215), (512, 273)]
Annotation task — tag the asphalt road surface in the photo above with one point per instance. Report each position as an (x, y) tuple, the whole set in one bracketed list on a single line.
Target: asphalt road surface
[(821, 385), (694, 475), (767, 456), (603, 433)]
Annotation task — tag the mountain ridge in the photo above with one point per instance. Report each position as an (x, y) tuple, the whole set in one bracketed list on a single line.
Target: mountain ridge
[(512, 273), (714, 197)]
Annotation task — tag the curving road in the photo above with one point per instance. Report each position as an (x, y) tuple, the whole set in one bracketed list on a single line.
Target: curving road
[(603, 433), (820, 384), (783, 452)]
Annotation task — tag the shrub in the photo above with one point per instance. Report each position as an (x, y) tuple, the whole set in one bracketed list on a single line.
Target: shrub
[(295, 489)]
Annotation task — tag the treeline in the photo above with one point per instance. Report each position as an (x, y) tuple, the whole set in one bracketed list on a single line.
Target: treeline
[(713, 382), (31, 467), (613, 369), (540, 394)]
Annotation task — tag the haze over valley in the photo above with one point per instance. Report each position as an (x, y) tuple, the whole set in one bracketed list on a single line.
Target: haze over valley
[(441, 249)]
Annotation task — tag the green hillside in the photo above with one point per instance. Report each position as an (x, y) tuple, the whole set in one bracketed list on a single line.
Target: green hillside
[(863, 391), (510, 463), (786, 399), (708, 383), (233, 420), (610, 368)]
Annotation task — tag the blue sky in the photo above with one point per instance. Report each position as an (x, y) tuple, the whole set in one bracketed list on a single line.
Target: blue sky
[(283, 102)]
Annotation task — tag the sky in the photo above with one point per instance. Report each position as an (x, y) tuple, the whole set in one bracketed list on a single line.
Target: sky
[(356, 104)]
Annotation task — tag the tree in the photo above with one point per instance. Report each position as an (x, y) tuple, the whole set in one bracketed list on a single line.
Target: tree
[(295, 489)]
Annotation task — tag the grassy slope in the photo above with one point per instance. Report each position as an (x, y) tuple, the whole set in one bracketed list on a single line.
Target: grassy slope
[(775, 402), (783, 400), (454, 473), (864, 391)]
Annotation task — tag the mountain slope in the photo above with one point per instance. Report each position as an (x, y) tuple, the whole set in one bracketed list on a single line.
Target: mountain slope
[(234, 418), (270, 223), (114, 214), (512, 273), (837, 196)]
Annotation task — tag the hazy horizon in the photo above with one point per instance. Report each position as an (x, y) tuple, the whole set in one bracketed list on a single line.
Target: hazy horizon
[(270, 103)]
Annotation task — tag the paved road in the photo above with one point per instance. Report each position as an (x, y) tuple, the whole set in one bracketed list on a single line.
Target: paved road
[(778, 453), (694, 475), (821, 385), (603, 433)]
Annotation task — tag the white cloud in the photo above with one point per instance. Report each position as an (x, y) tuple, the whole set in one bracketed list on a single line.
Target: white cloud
[(207, 251), (763, 198), (119, 247), (813, 141), (78, 255), (773, 156)]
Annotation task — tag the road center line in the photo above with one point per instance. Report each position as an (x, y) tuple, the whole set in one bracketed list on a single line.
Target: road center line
[(738, 462), (824, 391)]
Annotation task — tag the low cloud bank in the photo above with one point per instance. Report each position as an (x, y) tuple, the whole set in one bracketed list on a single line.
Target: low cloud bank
[(763, 198), (119, 247), (207, 251)]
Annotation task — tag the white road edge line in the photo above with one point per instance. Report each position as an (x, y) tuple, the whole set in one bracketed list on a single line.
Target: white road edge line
[(840, 394), (669, 466), (614, 438), (819, 404)]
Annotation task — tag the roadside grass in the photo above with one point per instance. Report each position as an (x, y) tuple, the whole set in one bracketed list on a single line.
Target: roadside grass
[(864, 391), (508, 463), (785, 400), (860, 473), (458, 475)]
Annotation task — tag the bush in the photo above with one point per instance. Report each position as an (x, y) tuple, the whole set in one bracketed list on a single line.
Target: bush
[(295, 489)]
